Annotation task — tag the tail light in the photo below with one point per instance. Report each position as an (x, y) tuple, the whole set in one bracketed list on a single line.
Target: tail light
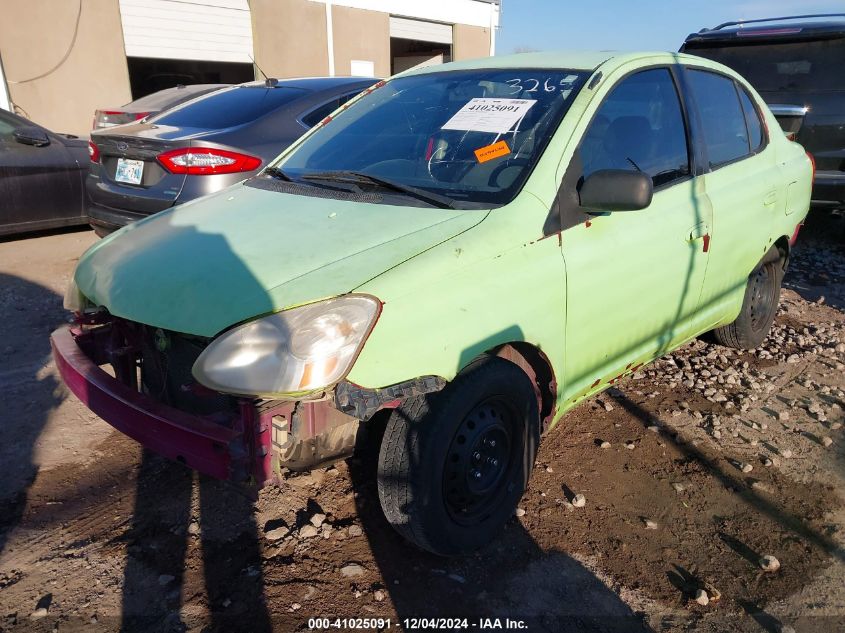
[(93, 152), (813, 163), (109, 118), (202, 161)]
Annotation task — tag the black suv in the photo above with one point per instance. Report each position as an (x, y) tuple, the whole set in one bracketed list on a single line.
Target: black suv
[(796, 64)]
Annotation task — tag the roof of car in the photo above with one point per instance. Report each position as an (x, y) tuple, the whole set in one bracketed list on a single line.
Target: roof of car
[(784, 28), (168, 96), (569, 60), (312, 83), (573, 60)]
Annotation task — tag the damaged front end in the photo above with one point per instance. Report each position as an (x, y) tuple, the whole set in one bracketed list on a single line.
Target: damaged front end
[(138, 379)]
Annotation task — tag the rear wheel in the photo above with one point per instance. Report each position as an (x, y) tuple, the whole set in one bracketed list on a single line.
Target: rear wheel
[(453, 465), (759, 307)]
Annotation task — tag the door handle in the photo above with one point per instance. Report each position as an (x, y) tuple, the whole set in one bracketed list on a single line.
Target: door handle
[(700, 231), (771, 198)]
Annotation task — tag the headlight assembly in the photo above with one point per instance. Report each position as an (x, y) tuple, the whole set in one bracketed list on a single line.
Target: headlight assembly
[(298, 350), (74, 300)]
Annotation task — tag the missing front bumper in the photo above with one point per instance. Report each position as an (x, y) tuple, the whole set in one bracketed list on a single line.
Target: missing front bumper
[(251, 443)]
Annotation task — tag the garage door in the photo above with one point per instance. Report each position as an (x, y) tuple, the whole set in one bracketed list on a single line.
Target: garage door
[(206, 30), (408, 29)]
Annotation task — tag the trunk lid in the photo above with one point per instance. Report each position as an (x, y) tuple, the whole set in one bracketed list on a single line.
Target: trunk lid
[(158, 189)]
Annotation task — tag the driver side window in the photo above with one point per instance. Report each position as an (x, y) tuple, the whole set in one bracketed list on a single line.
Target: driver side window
[(639, 127)]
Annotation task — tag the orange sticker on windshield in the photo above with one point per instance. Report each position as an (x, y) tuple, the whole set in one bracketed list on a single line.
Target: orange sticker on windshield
[(492, 151)]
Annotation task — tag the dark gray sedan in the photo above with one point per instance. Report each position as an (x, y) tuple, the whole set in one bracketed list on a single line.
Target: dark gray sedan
[(203, 145), (41, 176)]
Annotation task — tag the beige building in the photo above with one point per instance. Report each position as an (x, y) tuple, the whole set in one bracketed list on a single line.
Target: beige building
[(62, 59)]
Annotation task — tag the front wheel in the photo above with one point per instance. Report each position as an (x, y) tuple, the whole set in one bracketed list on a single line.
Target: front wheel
[(759, 307), (453, 465)]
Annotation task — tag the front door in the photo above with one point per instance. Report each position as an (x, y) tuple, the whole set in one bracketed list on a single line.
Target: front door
[(38, 185), (634, 277)]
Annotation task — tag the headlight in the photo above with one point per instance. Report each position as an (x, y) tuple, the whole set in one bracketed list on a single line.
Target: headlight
[(74, 300), (298, 350)]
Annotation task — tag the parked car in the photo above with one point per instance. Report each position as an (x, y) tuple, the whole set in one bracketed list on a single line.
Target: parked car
[(151, 104), (41, 176), (795, 63), (465, 252), (203, 145)]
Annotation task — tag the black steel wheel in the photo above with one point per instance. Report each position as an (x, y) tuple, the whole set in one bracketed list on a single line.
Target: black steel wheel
[(759, 306), (479, 460), (453, 465), (763, 287)]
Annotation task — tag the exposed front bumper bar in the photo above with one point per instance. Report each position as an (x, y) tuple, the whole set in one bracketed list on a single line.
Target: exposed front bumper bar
[(203, 445), (248, 444), (247, 441)]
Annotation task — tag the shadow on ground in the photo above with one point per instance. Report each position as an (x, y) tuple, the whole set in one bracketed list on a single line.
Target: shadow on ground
[(510, 579), (198, 512), (29, 312)]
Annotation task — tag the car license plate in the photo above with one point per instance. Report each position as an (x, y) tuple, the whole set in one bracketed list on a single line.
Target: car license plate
[(129, 171)]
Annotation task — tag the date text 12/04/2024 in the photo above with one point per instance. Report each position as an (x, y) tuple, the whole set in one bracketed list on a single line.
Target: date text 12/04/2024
[(418, 624)]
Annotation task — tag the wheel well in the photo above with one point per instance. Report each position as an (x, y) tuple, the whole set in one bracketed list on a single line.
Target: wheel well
[(780, 250), (539, 370)]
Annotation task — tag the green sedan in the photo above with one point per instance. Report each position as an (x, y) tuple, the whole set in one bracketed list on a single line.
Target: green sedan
[(458, 256)]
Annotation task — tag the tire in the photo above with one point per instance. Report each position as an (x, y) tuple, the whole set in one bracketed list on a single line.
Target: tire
[(759, 307), (101, 231), (486, 421)]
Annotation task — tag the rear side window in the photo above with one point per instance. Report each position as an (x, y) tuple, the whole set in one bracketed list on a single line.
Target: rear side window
[(752, 120), (639, 126), (315, 116), (722, 117), (228, 108)]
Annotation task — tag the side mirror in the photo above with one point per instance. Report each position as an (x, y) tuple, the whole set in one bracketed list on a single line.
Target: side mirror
[(31, 136), (616, 190)]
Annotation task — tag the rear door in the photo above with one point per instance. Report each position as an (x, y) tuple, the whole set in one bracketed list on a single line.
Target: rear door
[(742, 184), (39, 186), (805, 74)]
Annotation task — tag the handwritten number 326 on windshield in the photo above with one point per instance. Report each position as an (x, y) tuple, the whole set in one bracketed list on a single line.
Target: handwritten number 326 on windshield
[(534, 85)]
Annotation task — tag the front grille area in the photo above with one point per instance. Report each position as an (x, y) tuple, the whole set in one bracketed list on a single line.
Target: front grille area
[(166, 361)]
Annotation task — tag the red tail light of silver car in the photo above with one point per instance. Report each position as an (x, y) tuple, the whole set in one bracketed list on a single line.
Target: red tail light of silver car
[(202, 161)]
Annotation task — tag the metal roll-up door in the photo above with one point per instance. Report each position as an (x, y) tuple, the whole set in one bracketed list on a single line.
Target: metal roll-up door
[(408, 29), (206, 30)]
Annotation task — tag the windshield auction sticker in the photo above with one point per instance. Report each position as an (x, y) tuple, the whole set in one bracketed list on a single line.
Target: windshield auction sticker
[(496, 116), (496, 150)]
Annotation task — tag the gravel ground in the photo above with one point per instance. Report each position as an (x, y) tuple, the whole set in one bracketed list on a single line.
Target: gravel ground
[(704, 493)]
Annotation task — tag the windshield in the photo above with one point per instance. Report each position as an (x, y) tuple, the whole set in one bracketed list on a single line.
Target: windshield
[(470, 136), (791, 66)]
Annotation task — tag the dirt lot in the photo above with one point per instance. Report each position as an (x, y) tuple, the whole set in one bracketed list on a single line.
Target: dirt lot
[(693, 469)]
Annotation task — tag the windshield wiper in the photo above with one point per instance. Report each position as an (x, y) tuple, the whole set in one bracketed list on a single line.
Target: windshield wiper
[(277, 173), (631, 160), (357, 178)]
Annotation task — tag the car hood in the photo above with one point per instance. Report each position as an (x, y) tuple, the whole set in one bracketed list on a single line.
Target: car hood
[(243, 252)]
